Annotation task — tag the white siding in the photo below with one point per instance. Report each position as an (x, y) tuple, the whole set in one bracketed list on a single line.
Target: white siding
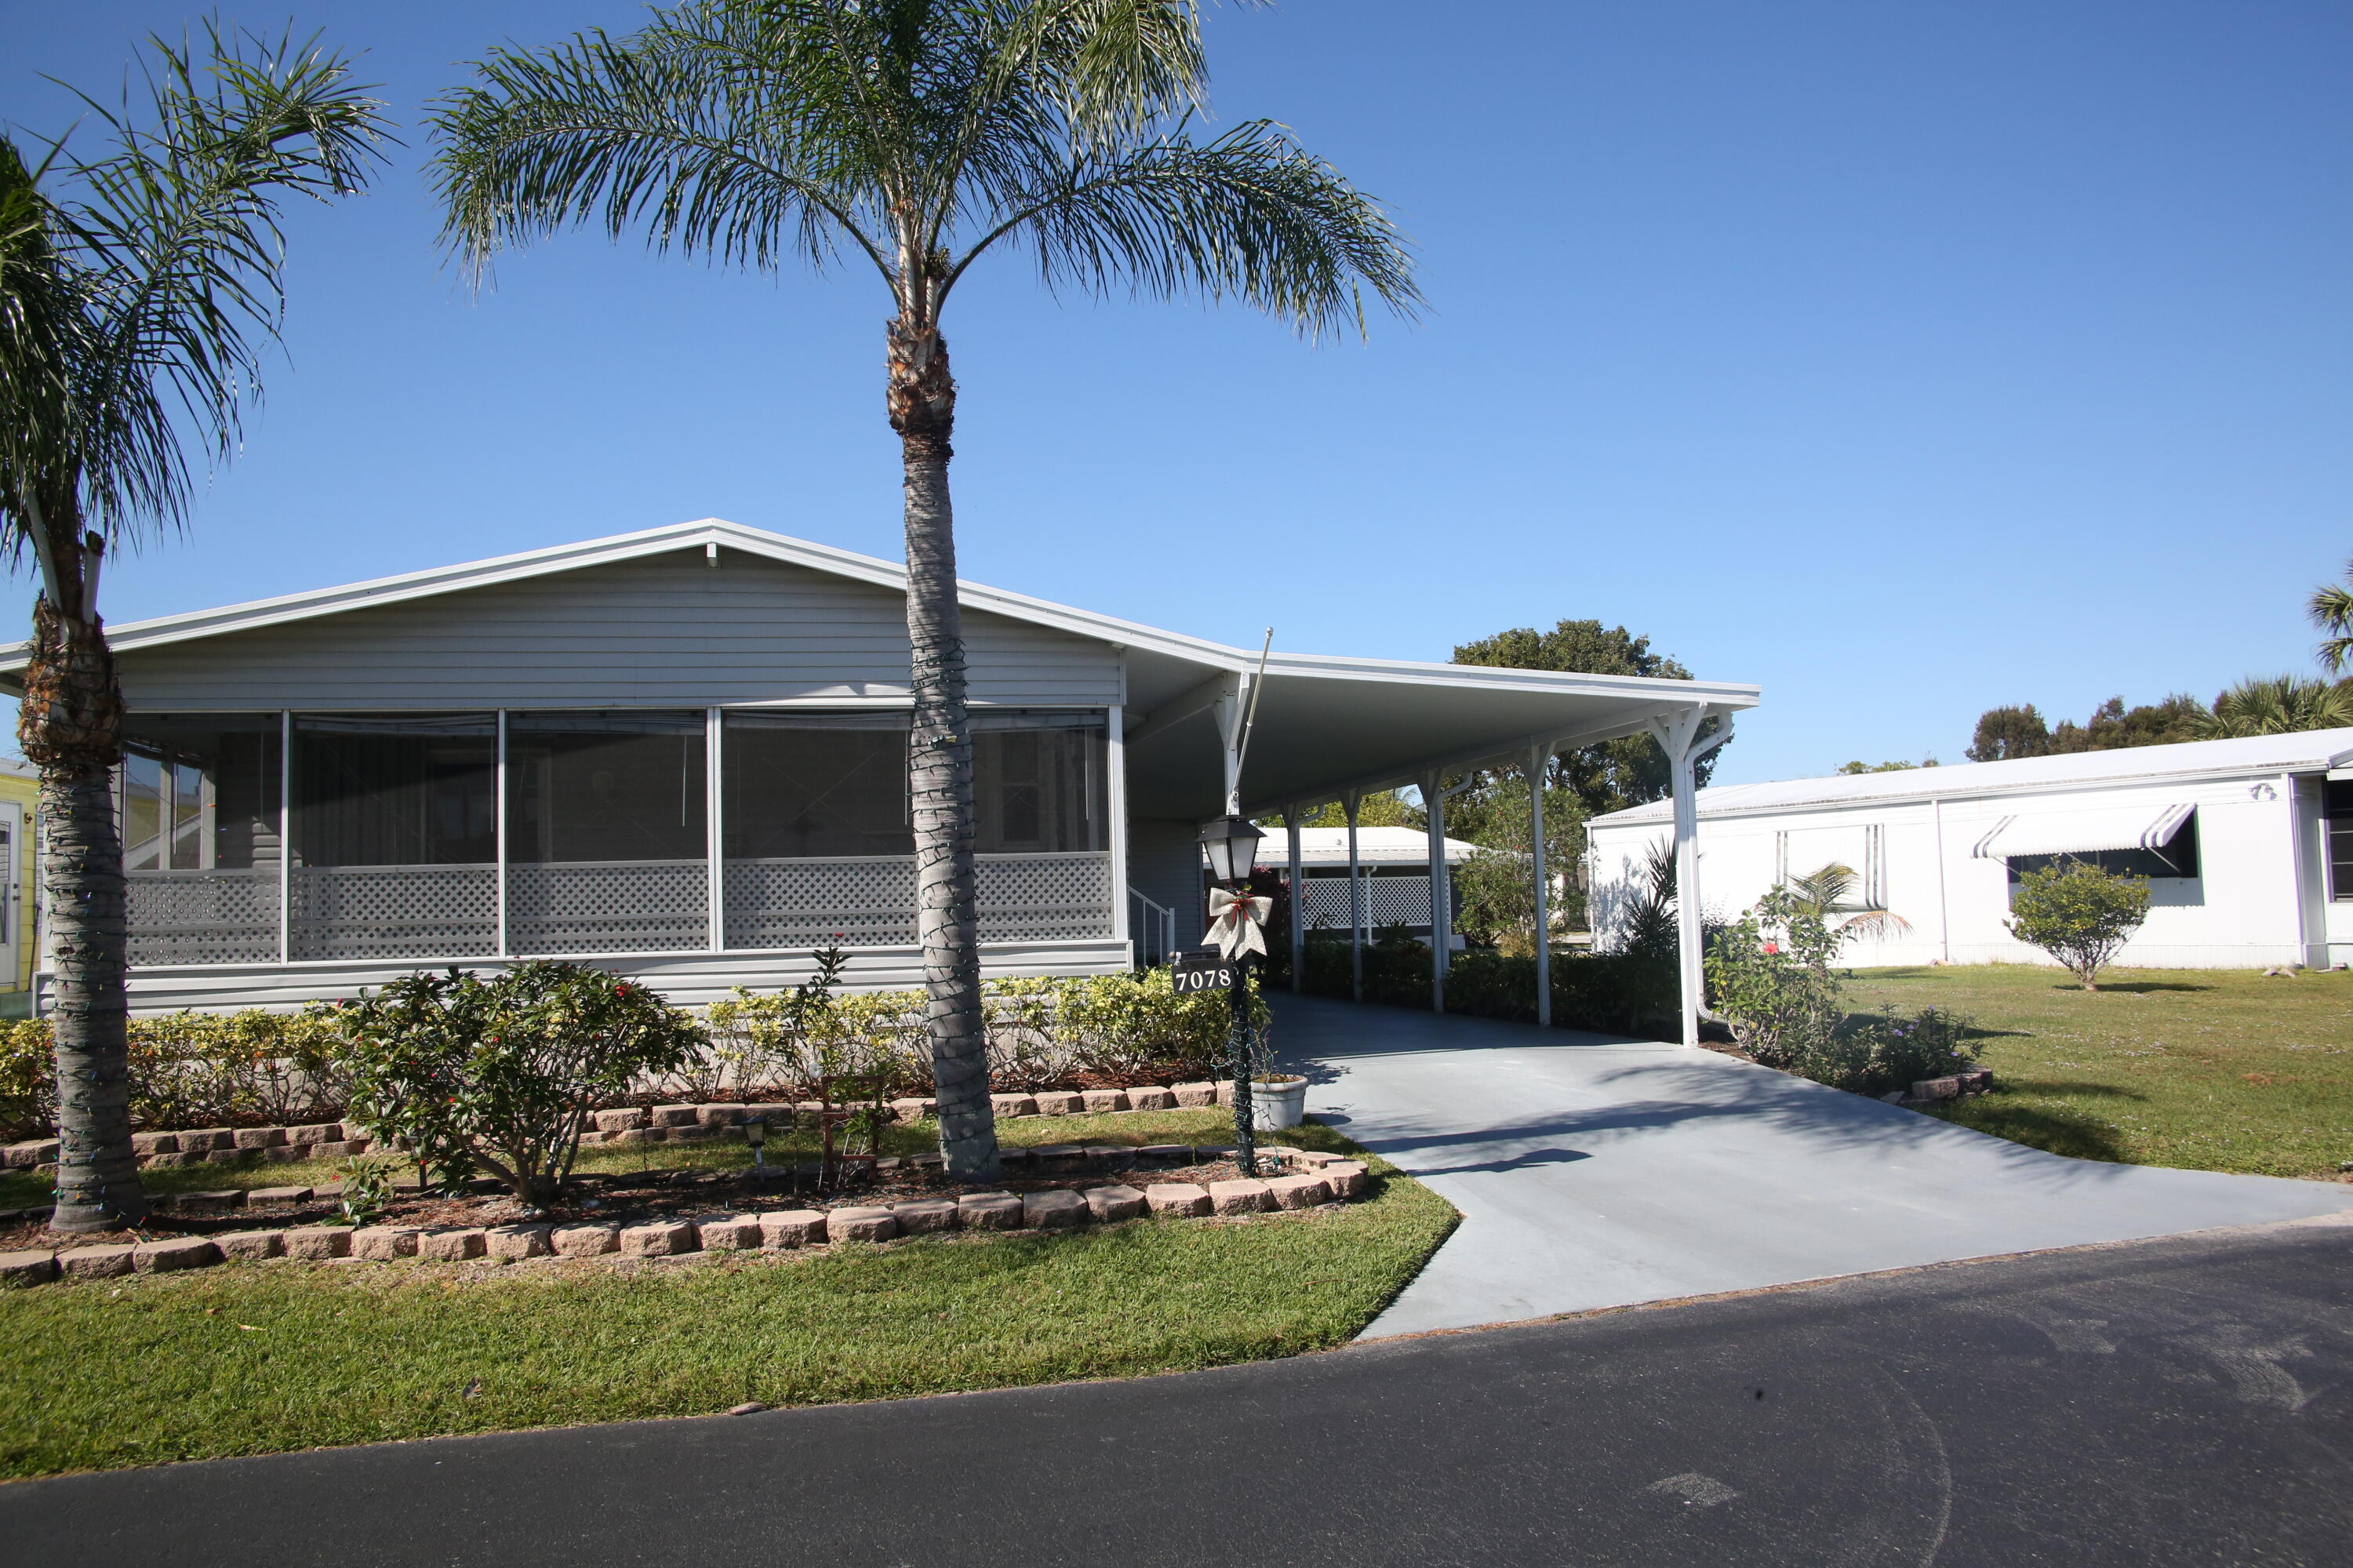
[(671, 630), (687, 979), (2245, 909), (1164, 863)]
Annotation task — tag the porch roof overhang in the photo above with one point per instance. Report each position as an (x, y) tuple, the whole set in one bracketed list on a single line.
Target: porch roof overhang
[(1327, 727)]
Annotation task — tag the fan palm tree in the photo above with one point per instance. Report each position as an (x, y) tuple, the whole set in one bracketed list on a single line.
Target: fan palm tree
[(2331, 609), (1824, 894), (2278, 705), (136, 290), (915, 137)]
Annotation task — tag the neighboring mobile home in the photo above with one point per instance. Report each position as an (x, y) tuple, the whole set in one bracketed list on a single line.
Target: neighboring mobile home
[(2248, 846), (682, 753)]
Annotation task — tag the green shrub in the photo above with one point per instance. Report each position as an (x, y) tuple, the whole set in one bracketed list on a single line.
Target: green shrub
[(2079, 914), (1890, 1051), (1769, 975), (190, 1069), (502, 1072)]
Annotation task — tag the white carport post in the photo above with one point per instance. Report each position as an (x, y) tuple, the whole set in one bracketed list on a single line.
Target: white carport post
[(1351, 801), (1680, 736), (1539, 754), (1433, 810), (1298, 900)]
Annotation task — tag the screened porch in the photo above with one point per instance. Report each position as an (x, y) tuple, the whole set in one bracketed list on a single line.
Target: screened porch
[(338, 837)]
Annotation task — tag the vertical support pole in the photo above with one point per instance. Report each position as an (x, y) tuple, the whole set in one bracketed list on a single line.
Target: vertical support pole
[(285, 836), (499, 828), (1115, 826), (714, 839), (1540, 754), (1944, 915), (1687, 901), (1298, 901), (1351, 802), (1433, 809)]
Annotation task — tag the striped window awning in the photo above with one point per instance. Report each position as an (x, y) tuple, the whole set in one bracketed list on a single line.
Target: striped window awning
[(2139, 827)]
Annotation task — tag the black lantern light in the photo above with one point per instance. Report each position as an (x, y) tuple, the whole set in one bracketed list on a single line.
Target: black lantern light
[(1232, 843)]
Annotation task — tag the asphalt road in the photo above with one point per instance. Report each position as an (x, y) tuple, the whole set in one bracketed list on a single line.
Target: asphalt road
[(2184, 1401)]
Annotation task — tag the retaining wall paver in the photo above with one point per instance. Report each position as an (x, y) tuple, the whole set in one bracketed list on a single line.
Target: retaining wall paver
[(452, 1245), (108, 1262), (860, 1222), (316, 1243), (385, 1242), (663, 1238), (1055, 1208), (676, 1115), (278, 1195), (175, 1253), (1099, 1101), (626, 1119), (1188, 1199), (988, 1212), (1115, 1202), (1299, 1192), (1197, 1096), (792, 1227), (585, 1241), (727, 1233), (1056, 1102), (1242, 1197), (1150, 1100), (252, 1247), (22, 1269), (1349, 1178), (924, 1216), (1013, 1105), (519, 1241)]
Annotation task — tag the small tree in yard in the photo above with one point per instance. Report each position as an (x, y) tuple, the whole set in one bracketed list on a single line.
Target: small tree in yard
[(2079, 914), (502, 1072), (1769, 974)]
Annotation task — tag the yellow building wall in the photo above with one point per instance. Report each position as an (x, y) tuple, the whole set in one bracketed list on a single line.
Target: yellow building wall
[(23, 792)]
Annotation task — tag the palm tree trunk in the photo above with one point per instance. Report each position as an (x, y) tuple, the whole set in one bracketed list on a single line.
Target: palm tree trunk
[(922, 400), (71, 727)]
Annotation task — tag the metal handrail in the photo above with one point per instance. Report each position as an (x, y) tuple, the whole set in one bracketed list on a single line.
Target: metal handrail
[(1152, 914)]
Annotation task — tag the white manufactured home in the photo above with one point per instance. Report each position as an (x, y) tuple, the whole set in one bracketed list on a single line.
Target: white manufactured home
[(682, 753), (2247, 846)]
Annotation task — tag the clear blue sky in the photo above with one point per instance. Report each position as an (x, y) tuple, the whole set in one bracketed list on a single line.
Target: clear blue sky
[(1903, 358)]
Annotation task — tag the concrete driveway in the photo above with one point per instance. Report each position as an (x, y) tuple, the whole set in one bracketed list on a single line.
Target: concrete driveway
[(1594, 1171)]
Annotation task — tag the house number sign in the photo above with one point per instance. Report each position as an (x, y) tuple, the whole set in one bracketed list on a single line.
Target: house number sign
[(1205, 970)]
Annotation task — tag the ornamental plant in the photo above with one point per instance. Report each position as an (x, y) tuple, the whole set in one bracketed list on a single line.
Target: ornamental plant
[(1769, 974), (2079, 914), (501, 1073)]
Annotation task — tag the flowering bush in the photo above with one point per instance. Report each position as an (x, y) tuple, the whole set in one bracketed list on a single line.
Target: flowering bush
[(2079, 914), (1769, 974), (502, 1072)]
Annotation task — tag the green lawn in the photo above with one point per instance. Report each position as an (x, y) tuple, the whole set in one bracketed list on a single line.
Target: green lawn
[(2213, 1069), (258, 1357)]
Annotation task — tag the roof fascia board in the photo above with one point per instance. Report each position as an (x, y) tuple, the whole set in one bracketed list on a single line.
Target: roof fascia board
[(2235, 773), (1486, 755)]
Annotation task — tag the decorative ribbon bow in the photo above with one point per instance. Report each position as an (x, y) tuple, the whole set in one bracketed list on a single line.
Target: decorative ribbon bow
[(1234, 919)]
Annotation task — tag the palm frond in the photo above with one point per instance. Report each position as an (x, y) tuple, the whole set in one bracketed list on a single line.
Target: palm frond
[(2331, 609), (2278, 705)]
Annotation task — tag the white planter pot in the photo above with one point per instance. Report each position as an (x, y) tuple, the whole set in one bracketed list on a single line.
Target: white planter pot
[(1280, 1104)]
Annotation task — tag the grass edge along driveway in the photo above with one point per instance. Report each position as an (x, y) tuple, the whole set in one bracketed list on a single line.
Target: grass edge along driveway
[(265, 1358)]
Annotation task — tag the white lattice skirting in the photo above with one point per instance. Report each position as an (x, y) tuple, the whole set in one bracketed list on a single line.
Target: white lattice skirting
[(609, 906), (1388, 901), (396, 912), (203, 917)]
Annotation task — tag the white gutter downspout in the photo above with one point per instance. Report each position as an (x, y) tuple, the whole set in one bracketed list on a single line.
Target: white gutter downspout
[(1944, 911)]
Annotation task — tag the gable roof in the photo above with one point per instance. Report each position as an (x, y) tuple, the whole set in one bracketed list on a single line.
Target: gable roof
[(713, 532), (2308, 751)]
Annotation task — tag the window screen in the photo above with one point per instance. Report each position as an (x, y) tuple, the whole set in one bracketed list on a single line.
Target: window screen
[(395, 791), (585, 787), (198, 792)]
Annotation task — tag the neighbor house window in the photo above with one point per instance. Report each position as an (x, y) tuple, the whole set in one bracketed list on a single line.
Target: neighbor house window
[(198, 805), (2177, 857), (607, 837), (2336, 806)]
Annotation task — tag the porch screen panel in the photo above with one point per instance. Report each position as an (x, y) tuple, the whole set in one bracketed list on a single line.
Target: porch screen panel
[(607, 849), (197, 802), (818, 841), (395, 836), (1042, 825)]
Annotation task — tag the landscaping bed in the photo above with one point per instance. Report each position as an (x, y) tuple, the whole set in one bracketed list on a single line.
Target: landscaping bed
[(2206, 1069), (250, 1358)]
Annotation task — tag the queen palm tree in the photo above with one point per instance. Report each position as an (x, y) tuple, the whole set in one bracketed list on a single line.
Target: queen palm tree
[(2331, 609), (136, 290), (915, 137)]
